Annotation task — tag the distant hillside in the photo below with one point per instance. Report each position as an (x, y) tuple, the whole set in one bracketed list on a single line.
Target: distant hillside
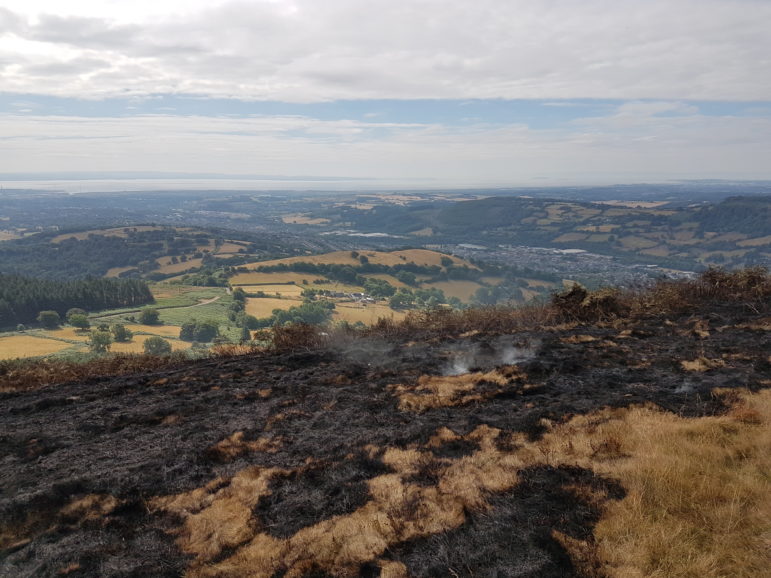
[(148, 251), (735, 232), (601, 434)]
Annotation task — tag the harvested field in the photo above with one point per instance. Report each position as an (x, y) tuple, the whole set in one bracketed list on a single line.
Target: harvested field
[(136, 345), (161, 330), (367, 315), (67, 333), (547, 449), (284, 290), (264, 306), (254, 278), (417, 256), (756, 242), (17, 346), (299, 219), (170, 268), (463, 290), (113, 232)]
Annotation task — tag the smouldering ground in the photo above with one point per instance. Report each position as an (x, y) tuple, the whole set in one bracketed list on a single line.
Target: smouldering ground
[(634, 447)]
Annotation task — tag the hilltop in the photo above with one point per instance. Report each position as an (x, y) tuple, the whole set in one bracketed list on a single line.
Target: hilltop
[(605, 433)]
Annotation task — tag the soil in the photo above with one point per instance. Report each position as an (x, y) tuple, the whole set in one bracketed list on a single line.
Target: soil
[(316, 416)]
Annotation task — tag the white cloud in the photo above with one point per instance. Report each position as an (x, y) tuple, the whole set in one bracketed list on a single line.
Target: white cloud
[(654, 146), (306, 50)]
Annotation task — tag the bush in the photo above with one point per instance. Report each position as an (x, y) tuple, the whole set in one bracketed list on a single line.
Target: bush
[(49, 319), (79, 320), (100, 341), (157, 346), (120, 333), (149, 317)]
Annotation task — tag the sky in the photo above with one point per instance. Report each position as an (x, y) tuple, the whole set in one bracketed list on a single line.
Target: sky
[(420, 92)]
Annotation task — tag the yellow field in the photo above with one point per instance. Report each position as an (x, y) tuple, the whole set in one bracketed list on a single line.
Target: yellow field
[(28, 346), (116, 271), (299, 219), (70, 333), (367, 315), (492, 280), (598, 238), (6, 235), (137, 345), (634, 204), (114, 232), (264, 306), (179, 267), (657, 251), (421, 257), (254, 278), (292, 291), (160, 330), (427, 232), (756, 242), (729, 237), (463, 290), (633, 242), (570, 238), (229, 247), (389, 278)]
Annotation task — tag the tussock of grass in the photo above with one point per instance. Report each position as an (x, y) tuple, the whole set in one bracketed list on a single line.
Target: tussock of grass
[(434, 391), (235, 445)]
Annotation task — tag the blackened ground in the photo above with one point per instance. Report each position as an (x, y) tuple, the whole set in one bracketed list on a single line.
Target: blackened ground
[(514, 538), (139, 436)]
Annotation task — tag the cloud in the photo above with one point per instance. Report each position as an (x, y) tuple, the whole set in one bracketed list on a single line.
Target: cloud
[(305, 50), (659, 144)]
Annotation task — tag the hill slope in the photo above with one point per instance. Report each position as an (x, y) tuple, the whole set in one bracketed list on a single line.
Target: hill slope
[(484, 443)]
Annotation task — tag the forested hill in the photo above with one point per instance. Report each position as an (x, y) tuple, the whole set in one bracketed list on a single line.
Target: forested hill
[(22, 298)]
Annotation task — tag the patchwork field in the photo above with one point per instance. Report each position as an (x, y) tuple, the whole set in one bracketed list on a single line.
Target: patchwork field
[(112, 232), (365, 314), (422, 257), (17, 346), (262, 307), (463, 290), (255, 278), (136, 345)]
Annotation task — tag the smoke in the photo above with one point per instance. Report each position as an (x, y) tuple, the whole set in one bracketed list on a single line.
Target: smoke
[(486, 355)]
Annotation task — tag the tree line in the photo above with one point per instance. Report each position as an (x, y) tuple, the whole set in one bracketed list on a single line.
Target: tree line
[(22, 298)]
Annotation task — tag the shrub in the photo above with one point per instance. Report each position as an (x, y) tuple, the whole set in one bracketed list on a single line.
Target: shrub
[(49, 319), (100, 341), (79, 320), (149, 317), (121, 334), (157, 346)]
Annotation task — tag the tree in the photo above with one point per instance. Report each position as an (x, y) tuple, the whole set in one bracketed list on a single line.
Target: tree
[(74, 311), (100, 341), (49, 319), (157, 346), (149, 316), (245, 335), (79, 320), (121, 334)]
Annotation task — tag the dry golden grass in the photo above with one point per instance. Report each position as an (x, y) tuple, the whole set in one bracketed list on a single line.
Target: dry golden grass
[(417, 256), (634, 242), (235, 445), (116, 271), (427, 232), (264, 306), (434, 391), (756, 242), (68, 333), (284, 290), (385, 277), (230, 247), (136, 345), (463, 290), (696, 501), (367, 315), (570, 238), (256, 279), (300, 219), (19, 346), (113, 232), (161, 330), (179, 267)]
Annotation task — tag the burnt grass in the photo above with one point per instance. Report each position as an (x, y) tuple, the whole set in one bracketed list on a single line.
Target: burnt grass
[(134, 437)]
